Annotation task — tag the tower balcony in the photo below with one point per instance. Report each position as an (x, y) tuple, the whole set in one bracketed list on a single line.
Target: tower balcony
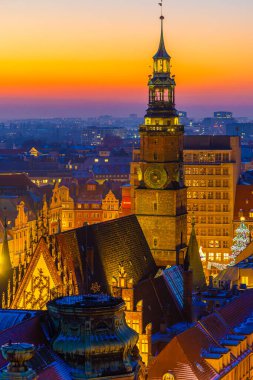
[(162, 129)]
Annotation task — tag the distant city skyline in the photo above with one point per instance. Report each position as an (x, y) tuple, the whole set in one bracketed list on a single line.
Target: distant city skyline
[(80, 59)]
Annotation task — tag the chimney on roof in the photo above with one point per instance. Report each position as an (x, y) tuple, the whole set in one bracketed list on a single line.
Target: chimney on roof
[(18, 354)]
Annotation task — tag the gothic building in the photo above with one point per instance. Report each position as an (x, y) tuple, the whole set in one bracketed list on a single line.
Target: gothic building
[(62, 209), (157, 171)]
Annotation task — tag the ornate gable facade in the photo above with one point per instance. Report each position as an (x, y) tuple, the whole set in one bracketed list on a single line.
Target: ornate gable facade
[(45, 276)]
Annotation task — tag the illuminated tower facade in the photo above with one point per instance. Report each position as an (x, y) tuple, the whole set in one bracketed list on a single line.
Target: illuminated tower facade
[(160, 196)]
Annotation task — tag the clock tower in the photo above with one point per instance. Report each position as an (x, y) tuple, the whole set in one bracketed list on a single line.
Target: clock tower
[(160, 193)]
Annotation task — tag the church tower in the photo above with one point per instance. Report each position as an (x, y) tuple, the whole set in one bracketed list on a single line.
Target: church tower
[(160, 196)]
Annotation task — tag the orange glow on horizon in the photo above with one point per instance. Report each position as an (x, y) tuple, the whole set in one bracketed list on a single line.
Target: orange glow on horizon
[(91, 52)]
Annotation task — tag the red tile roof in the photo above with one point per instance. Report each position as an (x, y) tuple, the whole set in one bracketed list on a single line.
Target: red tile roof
[(183, 354), (238, 310)]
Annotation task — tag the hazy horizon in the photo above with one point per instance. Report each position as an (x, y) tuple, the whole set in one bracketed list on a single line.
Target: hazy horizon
[(42, 109)]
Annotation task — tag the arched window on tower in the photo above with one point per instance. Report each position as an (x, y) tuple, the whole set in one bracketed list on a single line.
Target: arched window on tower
[(157, 94), (166, 95)]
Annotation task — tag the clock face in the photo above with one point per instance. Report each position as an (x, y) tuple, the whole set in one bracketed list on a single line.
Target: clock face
[(155, 177)]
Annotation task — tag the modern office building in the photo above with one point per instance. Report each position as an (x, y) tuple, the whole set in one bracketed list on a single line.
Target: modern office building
[(212, 170)]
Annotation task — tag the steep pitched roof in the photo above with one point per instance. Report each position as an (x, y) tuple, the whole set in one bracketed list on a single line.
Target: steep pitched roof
[(113, 243), (183, 356), (158, 303), (195, 264), (161, 52)]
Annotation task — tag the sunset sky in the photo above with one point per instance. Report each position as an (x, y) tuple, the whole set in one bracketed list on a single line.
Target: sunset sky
[(84, 58)]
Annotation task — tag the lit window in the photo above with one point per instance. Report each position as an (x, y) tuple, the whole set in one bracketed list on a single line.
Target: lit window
[(226, 256), (218, 256), (144, 346), (210, 256), (136, 326), (225, 195), (122, 282), (96, 160), (245, 280), (127, 302)]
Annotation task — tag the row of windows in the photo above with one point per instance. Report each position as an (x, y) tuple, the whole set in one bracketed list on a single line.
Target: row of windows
[(212, 232), (206, 171), (110, 206), (21, 234), (112, 176), (67, 215), (211, 256), (214, 243), (87, 206), (209, 207), (207, 195), (109, 215), (207, 183), (210, 219), (88, 215), (206, 157)]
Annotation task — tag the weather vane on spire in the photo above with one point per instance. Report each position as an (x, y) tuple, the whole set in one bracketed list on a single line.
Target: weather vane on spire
[(161, 5)]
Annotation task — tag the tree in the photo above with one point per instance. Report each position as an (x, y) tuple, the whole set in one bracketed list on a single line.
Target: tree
[(241, 240)]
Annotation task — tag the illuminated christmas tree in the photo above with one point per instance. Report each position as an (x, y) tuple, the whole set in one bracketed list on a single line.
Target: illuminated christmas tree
[(241, 239)]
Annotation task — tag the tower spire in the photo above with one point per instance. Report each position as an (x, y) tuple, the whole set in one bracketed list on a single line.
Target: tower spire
[(5, 256), (193, 261), (161, 52)]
